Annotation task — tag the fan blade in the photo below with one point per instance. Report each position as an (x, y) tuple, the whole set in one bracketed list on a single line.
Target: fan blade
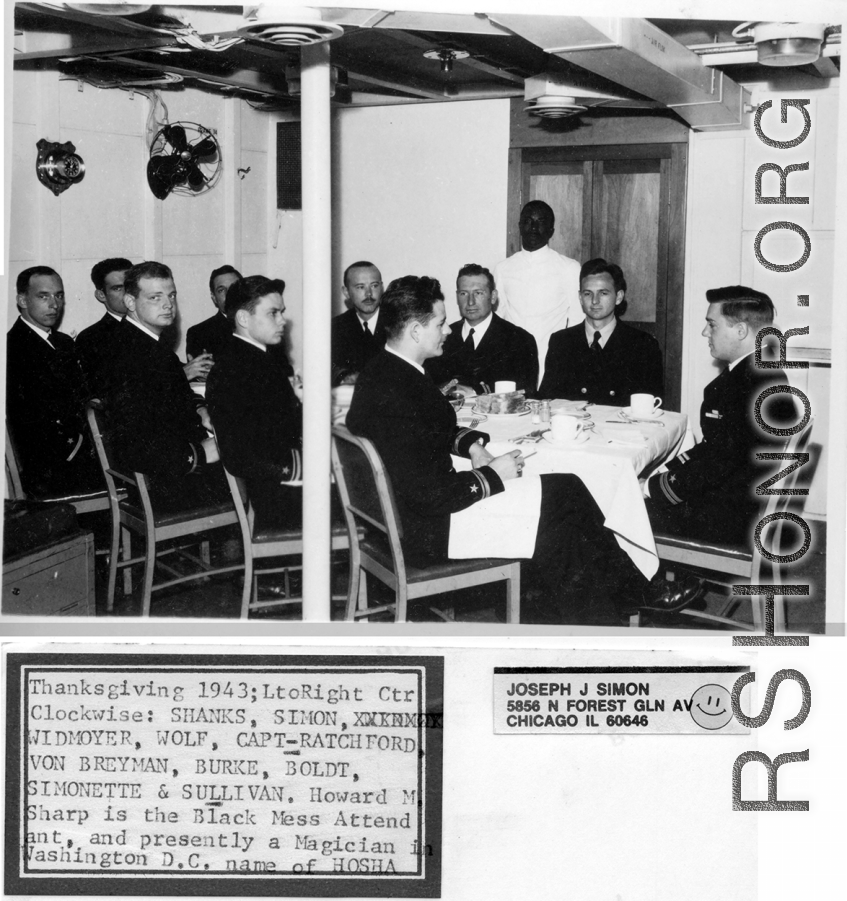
[(163, 174), (206, 147), (175, 134), (196, 178)]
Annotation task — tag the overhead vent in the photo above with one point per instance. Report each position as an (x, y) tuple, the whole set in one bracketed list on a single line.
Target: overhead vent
[(553, 98), (286, 27)]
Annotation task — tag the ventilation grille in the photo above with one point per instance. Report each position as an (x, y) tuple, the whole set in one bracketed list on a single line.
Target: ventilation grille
[(289, 182)]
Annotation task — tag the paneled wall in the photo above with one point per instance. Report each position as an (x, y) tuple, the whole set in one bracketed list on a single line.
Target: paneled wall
[(112, 212), (420, 189), (723, 221)]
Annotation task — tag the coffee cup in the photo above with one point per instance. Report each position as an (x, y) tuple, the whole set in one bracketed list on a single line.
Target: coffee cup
[(504, 387), (565, 428), (644, 404)]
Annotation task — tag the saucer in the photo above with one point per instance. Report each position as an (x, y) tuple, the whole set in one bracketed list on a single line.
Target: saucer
[(580, 439), (627, 412)]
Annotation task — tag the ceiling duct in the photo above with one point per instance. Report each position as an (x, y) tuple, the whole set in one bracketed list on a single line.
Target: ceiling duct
[(636, 54), (553, 98), (294, 26), (102, 9)]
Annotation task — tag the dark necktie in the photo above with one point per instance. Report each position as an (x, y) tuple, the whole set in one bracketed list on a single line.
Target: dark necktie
[(368, 334), (469, 342), (50, 340), (595, 344)]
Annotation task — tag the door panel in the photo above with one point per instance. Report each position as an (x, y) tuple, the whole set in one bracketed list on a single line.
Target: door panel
[(626, 232), (566, 187)]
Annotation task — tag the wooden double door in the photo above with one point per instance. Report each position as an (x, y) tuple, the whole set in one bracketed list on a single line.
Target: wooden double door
[(625, 203)]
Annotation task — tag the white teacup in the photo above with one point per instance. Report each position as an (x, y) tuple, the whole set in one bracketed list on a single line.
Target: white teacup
[(565, 428), (644, 404), (504, 387)]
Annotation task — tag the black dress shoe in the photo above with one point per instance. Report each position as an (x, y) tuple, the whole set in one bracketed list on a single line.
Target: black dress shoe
[(673, 596)]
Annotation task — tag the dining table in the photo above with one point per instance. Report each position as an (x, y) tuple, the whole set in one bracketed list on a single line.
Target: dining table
[(612, 455)]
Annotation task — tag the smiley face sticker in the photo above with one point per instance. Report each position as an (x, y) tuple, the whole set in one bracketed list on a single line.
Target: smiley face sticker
[(711, 707)]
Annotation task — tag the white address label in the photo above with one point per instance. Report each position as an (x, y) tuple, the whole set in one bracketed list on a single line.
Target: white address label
[(603, 700)]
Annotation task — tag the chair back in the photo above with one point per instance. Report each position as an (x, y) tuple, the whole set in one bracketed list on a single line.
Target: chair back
[(366, 493), (243, 508), (14, 488), (113, 475)]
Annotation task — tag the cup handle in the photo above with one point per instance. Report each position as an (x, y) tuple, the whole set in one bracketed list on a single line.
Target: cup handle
[(657, 402)]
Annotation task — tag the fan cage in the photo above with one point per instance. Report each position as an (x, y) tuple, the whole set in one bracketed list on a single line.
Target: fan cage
[(194, 132)]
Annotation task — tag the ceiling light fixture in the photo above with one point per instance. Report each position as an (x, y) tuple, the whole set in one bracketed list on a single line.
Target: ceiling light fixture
[(784, 43), (446, 55), (287, 27), (550, 97)]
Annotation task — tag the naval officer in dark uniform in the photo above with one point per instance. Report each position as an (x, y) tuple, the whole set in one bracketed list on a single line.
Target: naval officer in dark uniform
[(46, 393), (602, 360), (708, 492), (482, 348), (258, 418), (358, 334)]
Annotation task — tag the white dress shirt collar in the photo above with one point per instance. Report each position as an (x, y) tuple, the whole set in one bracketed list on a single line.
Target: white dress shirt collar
[(605, 332), (248, 340), (44, 335), (397, 353), (371, 322), (143, 328), (734, 363), (479, 329)]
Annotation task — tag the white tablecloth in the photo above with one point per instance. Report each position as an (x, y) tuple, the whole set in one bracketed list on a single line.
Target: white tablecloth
[(609, 464)]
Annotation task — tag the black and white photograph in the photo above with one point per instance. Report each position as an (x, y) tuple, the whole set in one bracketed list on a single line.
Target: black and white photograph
[(638, 215), (424, 470)]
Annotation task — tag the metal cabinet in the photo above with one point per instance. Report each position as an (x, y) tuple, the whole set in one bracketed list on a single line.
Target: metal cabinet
[(55, 580)]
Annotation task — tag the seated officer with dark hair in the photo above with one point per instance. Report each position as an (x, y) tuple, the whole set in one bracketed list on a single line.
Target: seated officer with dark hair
[(482, 348), (46, 393), (94, 344), (257, 416), (577, 564), (708, 492), (602, 360), (155, 421), (211, 336), (357, 334)]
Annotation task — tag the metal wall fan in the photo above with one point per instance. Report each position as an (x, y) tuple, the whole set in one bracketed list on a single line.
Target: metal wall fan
[(185, 158)]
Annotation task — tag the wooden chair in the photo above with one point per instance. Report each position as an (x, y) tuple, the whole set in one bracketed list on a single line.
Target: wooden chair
[(368, 502), (84, 502), (737, 563), (263, 543), (128, 516)]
